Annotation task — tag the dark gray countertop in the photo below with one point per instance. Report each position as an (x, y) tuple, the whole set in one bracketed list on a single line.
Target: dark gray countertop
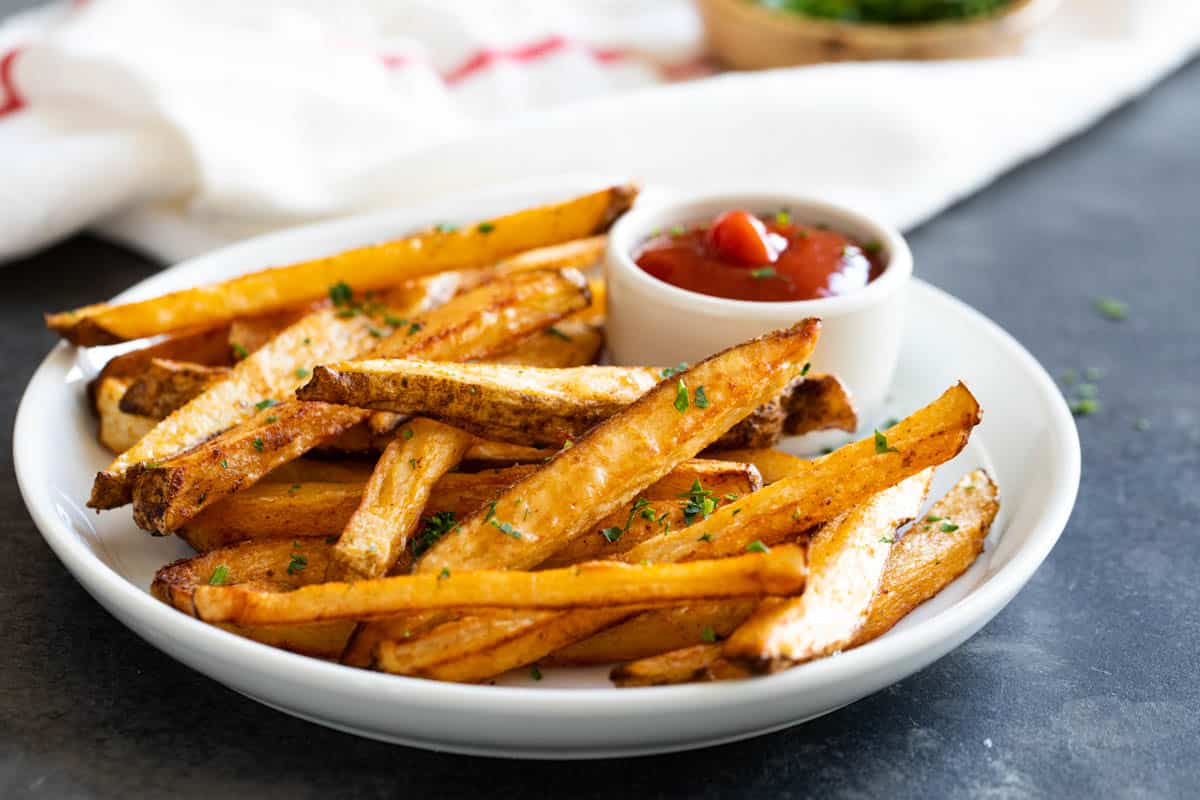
[(1084, 686)]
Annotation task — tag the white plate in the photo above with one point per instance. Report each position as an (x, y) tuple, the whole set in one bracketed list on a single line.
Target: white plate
[(1028, 441)]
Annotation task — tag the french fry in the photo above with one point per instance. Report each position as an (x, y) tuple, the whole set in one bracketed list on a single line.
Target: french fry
[(596, 584), (848, 559), (658, 631), (310, 469), (532, 406), (773, 465), (677, 666), (208, 347), (622, 455), (270, 565), (247, 334), (372, 267), (577, 254), (571, 343), (824, 489), (269, 374), (167, 385), (395, 498), (471, 325), (488, 451), (118, 431), (933, 553)]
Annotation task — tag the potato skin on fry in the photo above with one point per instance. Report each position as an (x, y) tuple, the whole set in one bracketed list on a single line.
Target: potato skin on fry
[(166, 385)]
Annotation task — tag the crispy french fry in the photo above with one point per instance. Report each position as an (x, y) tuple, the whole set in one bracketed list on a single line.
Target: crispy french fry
[(658, 631), (118, 430), (270, 565), (571, 343), (826, 488), (773, 465), (596, 584), (848, 559), (269, 374), (487, 451), (247, 334), (471, 325), (622, 455), (577, 254), (935, 550), (677, 666), (533, 406), (315, 470), (395, 498), (166, 385), (372, 267), (204, 347)]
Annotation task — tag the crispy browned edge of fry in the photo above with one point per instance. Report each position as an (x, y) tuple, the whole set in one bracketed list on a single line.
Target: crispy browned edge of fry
[(956, 412), (209, 347), (676, 666), (849, 555), (166, 385), (82, 326), (927, 559), (168, 494)]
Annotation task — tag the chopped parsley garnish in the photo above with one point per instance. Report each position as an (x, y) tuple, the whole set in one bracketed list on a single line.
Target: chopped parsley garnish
[(1085, 406), (491, 512), (301, 372), (295, 487), (681, 396), (437, 526), (534, 672), (1111, 308), (394, 321), (1141, 424), (782, 217), (731, 497), (272, 418), (1069, 376), (239, 351), (412, 462), (708, 537), (150, 464), (553, 331), (224, 463), (445, 227), (307, 340), (378, 334), (200, 500), (445, 573), (700, 501), (413, 328), (218, 575), (1087, 390), (332, 539), (949, 527), (700, 399), (614, 533), (932, 518), (757, 547), (671, 372), (677, 230), (707, 634), (408, 433), (261, 404), (807, 367), (881, 444), (258, 444), (506, 528), (762, 273), (486, 227), (887, 540), (297, 564), (341, 294)]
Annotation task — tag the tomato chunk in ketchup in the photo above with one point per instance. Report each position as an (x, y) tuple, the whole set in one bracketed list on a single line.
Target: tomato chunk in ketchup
[(742, 256)]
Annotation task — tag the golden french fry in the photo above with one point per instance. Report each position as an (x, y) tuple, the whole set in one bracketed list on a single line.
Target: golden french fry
[(395, 498), (678, 666), (936, 549), (571, 343), (827, 487), (597, 584), (773, 465), (371, 267), (204, 347), (166, 385), (610, 465), (118, 430), (534, 406), (270, 565), (848, 559), (471, 325), (268, 375), (658, 631)]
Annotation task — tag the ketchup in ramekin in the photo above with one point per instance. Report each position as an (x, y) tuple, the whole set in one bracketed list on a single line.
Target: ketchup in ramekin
[(743, 256)]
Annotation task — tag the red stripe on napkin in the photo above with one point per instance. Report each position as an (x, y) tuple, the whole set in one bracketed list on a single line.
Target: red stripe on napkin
[(10, 99)]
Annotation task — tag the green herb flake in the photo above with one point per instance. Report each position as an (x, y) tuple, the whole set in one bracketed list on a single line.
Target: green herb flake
[(302, 372), (436, 526), (699, 502), (807, 367), (731, 497), (782, 217), (413, 328), (671, 372), (932, 518), (535, 673), (200, 500), (873, 248), (239, 351), (307, 340), (224, 463), (295, 487), (1085, 406), (890, 422), (444, 574), (708, 537), (261, 404), (219, 575), (378, 334), (614, 533), (1069, 376), (887, 540), (757, 547), (553, 331), (708, 635), (1094, 373), (949, 527), (486, 227), (1141, 424), (341, 294), (700, 399), (677, 230), (1111, 308), (445, 227), (1087, 390), (881, 444), (681, 396), (297, 564), (258, 444), (272, 419), (412, 462), (762, 273), (408, 433)]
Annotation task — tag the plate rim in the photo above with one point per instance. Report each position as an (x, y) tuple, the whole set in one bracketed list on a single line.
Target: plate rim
[(137, 610)]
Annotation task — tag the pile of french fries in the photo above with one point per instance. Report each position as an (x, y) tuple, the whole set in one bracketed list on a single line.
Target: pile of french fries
[(404, 457)]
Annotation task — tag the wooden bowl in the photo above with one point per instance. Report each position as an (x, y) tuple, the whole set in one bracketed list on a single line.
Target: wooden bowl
[(746, 35)]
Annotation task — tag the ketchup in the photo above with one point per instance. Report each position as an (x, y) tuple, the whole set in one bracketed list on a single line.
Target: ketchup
[(741, 256)]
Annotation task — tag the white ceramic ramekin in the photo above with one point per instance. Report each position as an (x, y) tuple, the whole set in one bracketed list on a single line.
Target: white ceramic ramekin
[(653, 323)]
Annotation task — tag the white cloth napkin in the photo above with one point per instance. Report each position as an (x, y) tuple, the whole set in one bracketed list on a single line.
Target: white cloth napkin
[(179, 126)]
